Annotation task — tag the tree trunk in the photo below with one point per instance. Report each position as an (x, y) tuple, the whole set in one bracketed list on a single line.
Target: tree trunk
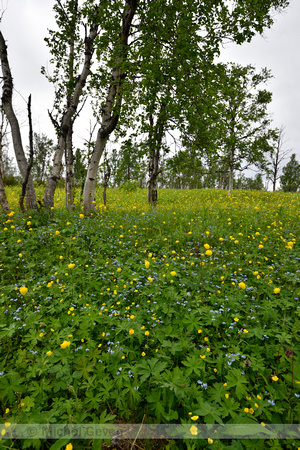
[(110, 112), (155, 140), (3, 200), (7, 90), (69, 158), (30, 163), (66, 122), (90, 182)]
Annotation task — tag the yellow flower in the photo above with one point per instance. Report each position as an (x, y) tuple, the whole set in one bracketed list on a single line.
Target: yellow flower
[(260, 246), (236, 319), (20, 255), (202, 356), (23, 290), (246, 331), (208, 252), (207, 246), (131, 331), (246, 410), (65, 344), (143, 354), (147, 264), (69, 447), (119, 269), (199, 331), (210, 441), (251, 411), (41, 334), (275, 378), (81, 216), (7, 411), (71, 266), (227, 395), (49, 353), (242, 285), (150, 279), (195, 417), (173, 273), (208, 349), (147, 333), (56, 232), (194, 430), (276, 290), (3, 432)]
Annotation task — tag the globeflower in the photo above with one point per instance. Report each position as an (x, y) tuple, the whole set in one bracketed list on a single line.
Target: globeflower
[(71, 266), (131, 332), (276, 290), (208, 252), (173, 273), (49, 353), (150, 279), (23, 290), (242, 285), (65, 344), (194, 430), (147, 264)]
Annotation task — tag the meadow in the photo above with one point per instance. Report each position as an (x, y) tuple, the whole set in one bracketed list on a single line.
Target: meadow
[(186, 313)]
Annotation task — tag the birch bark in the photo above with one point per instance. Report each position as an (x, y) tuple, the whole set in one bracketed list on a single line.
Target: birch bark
[(7, 91), (110, 112)]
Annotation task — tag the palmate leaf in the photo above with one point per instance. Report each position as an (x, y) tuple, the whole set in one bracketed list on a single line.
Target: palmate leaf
[(237, 380), (151, 368), (210, 411)]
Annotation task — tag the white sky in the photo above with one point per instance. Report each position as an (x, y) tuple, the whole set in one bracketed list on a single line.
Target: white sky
[(24, 26)]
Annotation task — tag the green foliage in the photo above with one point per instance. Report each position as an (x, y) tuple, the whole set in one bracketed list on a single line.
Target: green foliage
[(290, 178), (191, 338), (130, 186)]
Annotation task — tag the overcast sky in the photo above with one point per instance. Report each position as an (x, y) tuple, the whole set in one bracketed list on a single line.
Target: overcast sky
[(24, 26)]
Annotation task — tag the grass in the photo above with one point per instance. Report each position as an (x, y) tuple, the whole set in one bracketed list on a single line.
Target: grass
[(187, 313)]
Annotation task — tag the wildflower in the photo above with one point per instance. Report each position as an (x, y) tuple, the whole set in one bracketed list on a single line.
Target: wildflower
[(242, 285), (65, 344), (276, 290), (143, 354), (245, 331), (210, 441), (150, 279), (119, 269), (260, 246), (227, 395), (195, 417), (56, 232), (23, 290), (236, 319), (20, 255), (208, 252), (147, 264), (131, 331), (69, 446), (275, 378), (207, 246), (208, 349), (246, 410), (173, 273), (7, 411), (81, 216), (251, 411), (71, 266), (41, 334), (194, 430), (49, 353), (147, 333)]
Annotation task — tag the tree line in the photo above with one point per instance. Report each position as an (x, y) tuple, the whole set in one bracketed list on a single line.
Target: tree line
[(148, 71)]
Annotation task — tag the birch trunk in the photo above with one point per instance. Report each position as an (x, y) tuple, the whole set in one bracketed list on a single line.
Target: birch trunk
[(3, 200), (231, 172), (7, 90), (66, 122), (69, 158), (110, 112)]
